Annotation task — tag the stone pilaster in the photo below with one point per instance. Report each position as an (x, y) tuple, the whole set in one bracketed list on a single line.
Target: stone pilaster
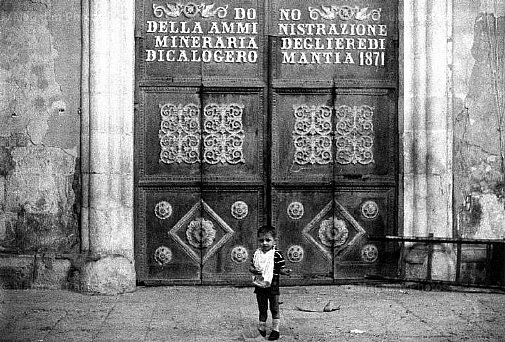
[(426, 130), (107, 146)]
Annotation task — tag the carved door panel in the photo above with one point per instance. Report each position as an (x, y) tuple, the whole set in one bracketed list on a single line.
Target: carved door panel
[(233, 178), (333, 180), (200, 131), (201, 183), (361, 212), (296, 212), (334, 134), (254, 111)]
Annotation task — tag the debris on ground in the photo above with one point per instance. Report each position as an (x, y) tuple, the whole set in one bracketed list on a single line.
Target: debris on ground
[(329, 307), (357, 331)]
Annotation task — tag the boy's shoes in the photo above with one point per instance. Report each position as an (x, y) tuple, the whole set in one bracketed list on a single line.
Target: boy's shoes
[(263, 332), (274, 335)]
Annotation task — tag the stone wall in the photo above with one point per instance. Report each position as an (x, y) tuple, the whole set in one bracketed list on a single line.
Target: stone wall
[(40, 61), (479, 126), (39, 140)]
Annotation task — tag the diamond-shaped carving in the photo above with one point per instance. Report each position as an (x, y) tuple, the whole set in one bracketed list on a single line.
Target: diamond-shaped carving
[(340, 215), (193, 215)]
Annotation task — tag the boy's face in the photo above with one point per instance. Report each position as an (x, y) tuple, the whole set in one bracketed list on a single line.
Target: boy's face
[(266, 242)]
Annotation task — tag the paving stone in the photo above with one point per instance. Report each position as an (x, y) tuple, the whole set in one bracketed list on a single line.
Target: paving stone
[(230, 314)]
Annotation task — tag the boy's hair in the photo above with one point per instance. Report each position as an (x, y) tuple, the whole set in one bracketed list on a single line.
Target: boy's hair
[(267, 230)]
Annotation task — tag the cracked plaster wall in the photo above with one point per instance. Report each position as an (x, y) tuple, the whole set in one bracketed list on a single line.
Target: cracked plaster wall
[(479, 128), (479, 132), (39, 126)]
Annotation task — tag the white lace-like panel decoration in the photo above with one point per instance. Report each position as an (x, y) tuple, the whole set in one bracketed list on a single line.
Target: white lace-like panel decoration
[(223, 133), (312, 135), (354, 136), (180, 133)]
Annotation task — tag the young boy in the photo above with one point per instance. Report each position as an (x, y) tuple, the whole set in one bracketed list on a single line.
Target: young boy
[(266, 266)]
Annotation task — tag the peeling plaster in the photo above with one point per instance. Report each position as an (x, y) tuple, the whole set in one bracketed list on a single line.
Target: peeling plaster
[(480, 126), (496, 7), (39, 134)]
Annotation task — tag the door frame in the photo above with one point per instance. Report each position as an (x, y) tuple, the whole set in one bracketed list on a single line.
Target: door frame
[(425, 123)]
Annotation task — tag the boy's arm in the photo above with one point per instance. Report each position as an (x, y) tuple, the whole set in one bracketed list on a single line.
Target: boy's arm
[(280, 263), (253, 269), (285, 271)]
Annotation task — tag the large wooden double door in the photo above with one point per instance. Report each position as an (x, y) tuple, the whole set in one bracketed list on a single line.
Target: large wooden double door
[(252, 112)]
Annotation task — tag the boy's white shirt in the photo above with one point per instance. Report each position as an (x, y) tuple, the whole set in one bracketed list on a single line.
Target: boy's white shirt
[(264, 262)]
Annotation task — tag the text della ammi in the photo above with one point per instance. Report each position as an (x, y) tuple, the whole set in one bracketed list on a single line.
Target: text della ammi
[(188, 42)]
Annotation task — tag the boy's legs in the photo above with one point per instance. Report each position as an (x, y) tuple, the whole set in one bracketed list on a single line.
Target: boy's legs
[(274, 306), (262, 300), (276, 317)]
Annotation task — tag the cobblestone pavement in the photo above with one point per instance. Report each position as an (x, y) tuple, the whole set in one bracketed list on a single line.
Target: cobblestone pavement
[(365, 313)]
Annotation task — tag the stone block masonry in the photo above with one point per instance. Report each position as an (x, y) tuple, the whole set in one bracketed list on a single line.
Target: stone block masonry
[(39, 142)]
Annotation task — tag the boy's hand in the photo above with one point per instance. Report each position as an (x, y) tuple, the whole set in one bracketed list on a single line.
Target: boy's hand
[(254, 271), (286, 271)]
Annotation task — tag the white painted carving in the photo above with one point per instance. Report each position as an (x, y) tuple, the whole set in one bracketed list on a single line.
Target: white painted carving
[(201, 233), (189, 10), (369, 253), (223, 133), (162, 255), (239, 254), (163, 210), (295, 253), (370, 210), (344, 13), (180, 133), (295, 210), (312, 134), (239, 210), (333, 232), (317, 228), (354, 137)]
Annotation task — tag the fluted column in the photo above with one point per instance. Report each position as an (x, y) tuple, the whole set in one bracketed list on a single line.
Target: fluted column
[(427, 124), (427, 118), (107, 221)]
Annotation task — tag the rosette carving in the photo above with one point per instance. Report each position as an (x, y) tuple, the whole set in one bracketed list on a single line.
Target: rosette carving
[(239, 210), (201, 233), (163, 210), (162, 255), (295, 210), (295, 253), (333, 232), (370, 210), (239, 254), (369, 253)]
